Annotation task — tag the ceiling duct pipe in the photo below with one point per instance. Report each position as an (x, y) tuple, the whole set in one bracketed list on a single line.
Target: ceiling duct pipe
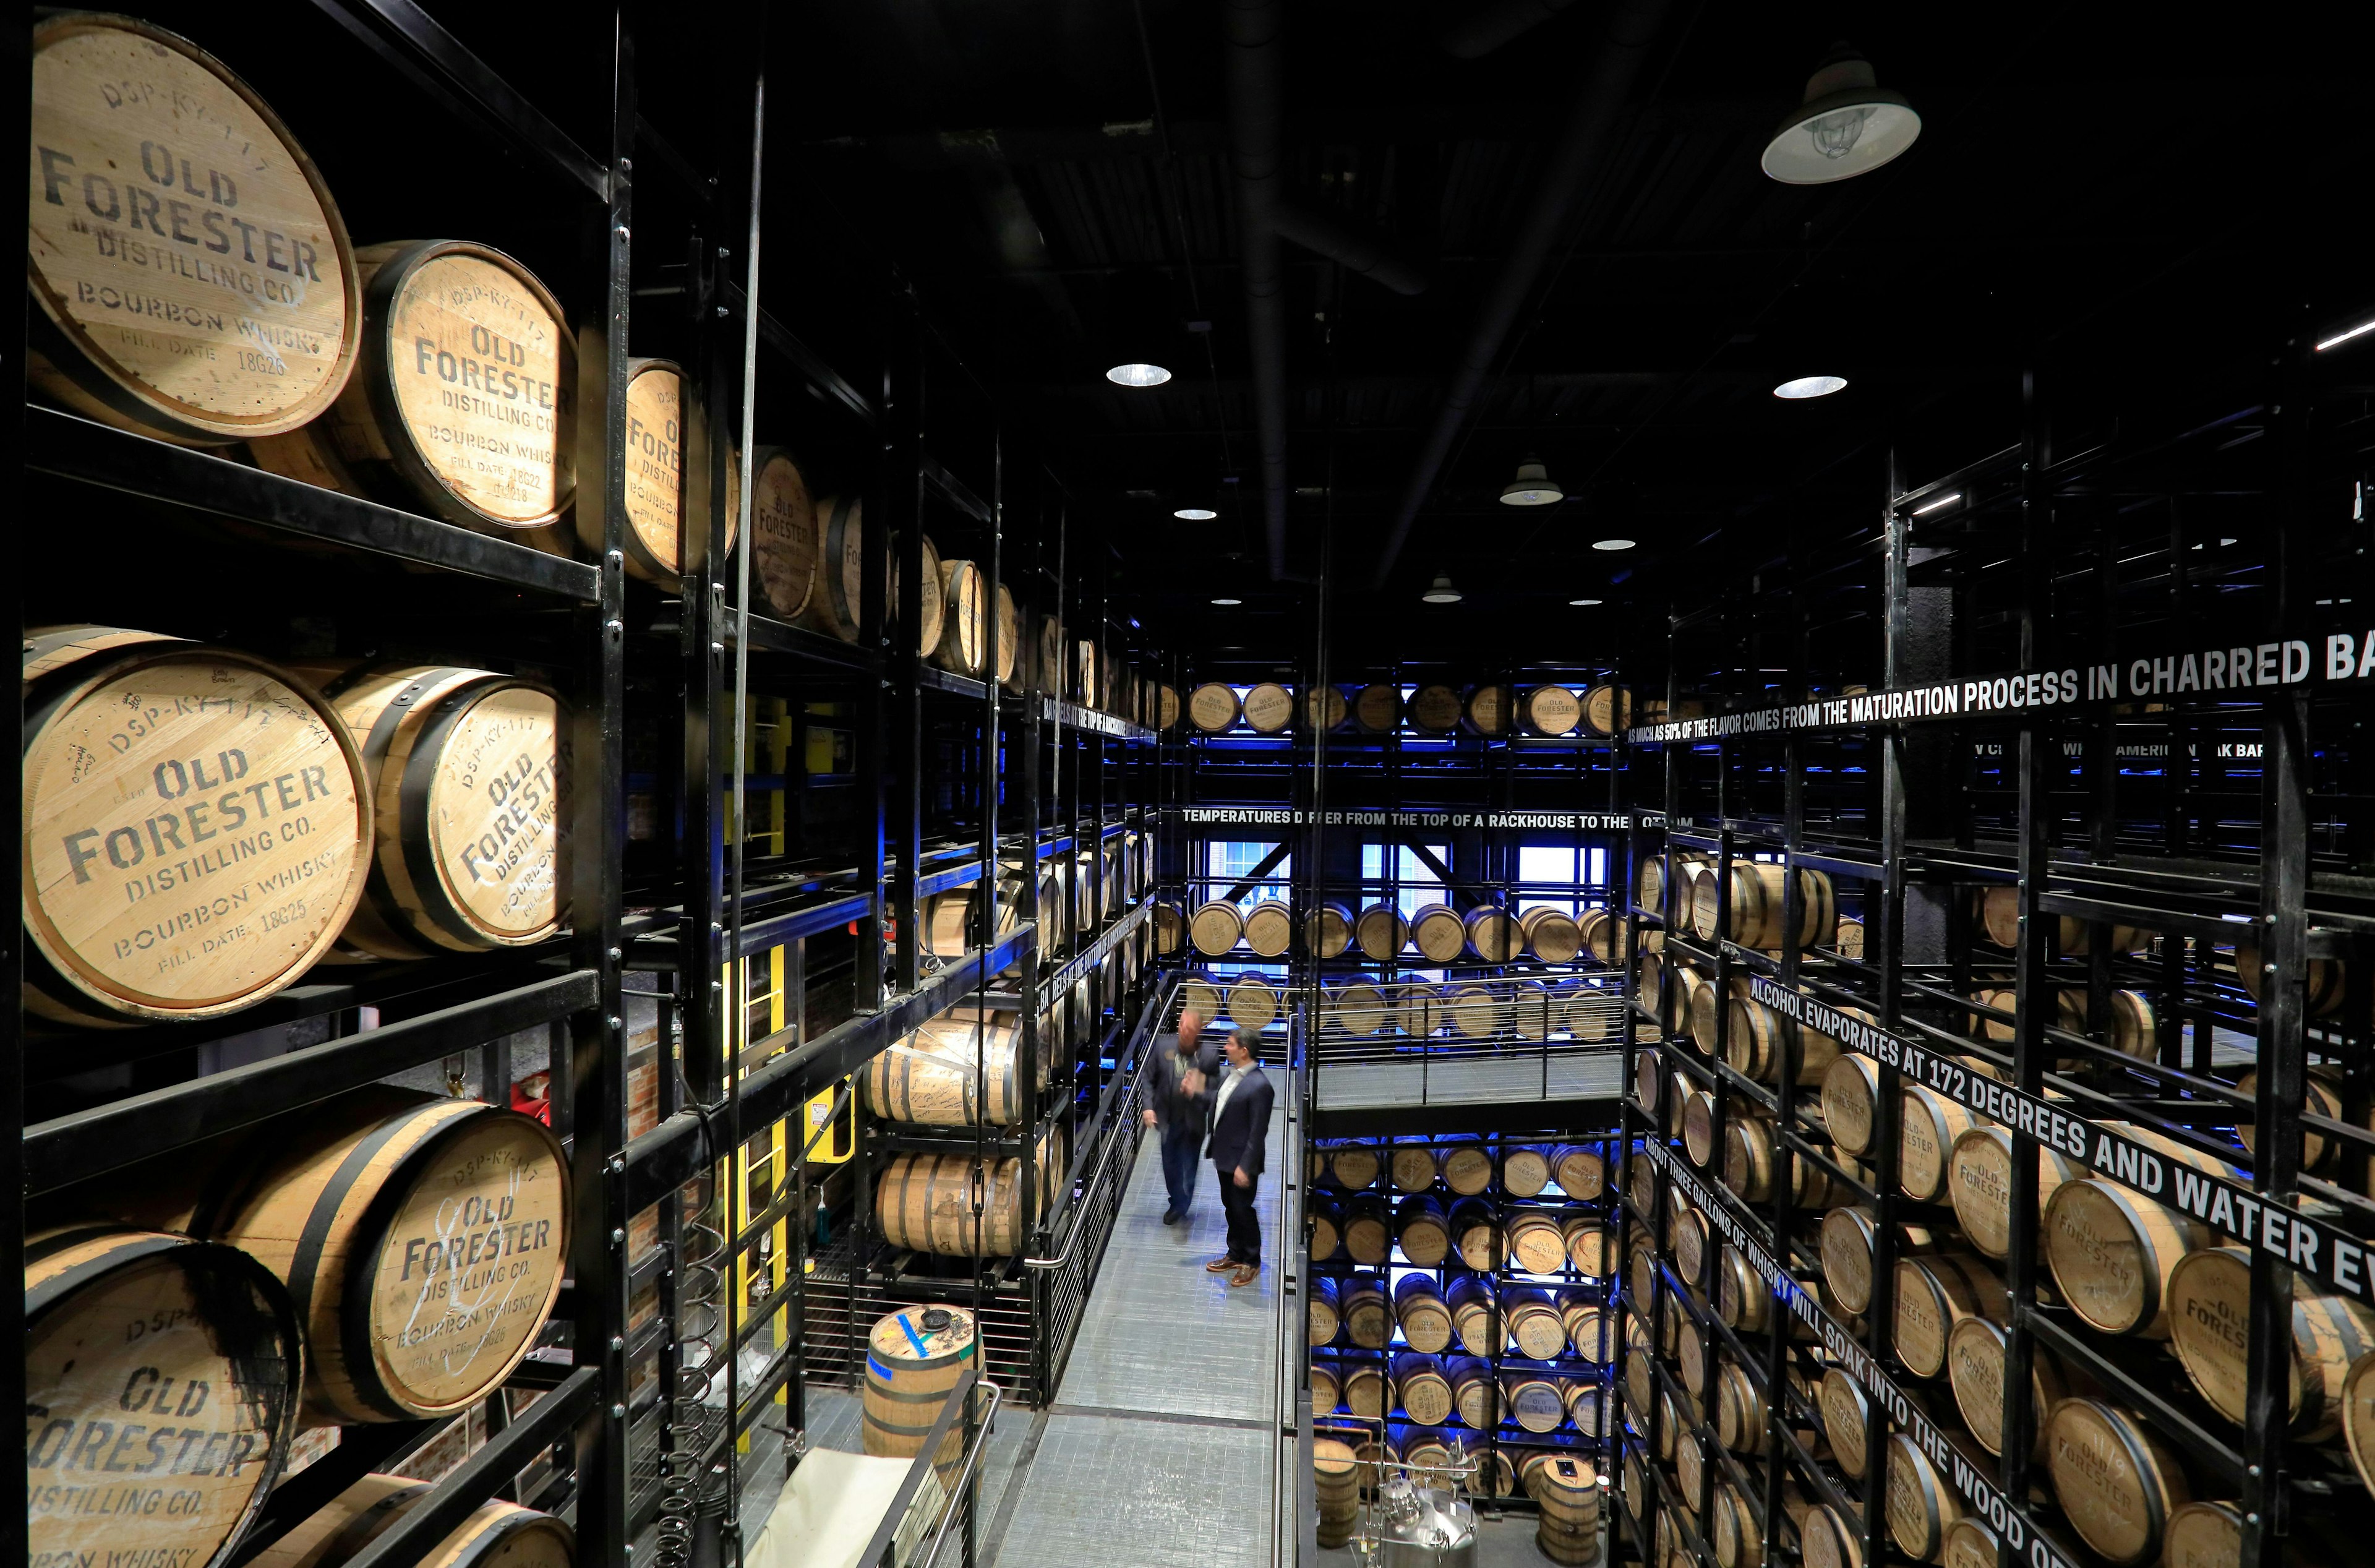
[(1346, 245), (1632, 28), (1256, 34), (1481, 31)]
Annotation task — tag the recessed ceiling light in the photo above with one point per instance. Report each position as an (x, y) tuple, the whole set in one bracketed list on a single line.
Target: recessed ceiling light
[(1195, 513), (1583, 601), (1138, 375), (1810, 386), (1441, 592), (1228, 603), (1532, 487), (1848, 125), (1612, 544)]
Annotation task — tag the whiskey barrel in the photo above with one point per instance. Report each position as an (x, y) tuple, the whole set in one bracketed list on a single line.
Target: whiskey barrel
[(1048, 675), (1493, 934), (1762, 1043), (2324, 1098), (1423, 1231), (1328, 931), (1567, 1492), (1381, 932), (1215, 927), (1603, 933), (1694, 1247), (1697, 1004), (1268, 928), (1606, 710), (1368, 1313), (1269, 707), (1738, 1409), (1365, 1389), (1829, 1538), (2323, 992), (194, 278), (1087, 674), (1590, 1012), (494, 1532), (1213, 708), (1414, 1167), (2115, 1479), (1742, 1296), (1846, 1410), (2112, 1253), (1368, 1228), (837, 597), (1850, 1093), (2358, 1415), (1377, 709), (1326, 1218), (1324, 708), (421, 1238), (1756, 913), (1253, 1003), (1579, 1171), (1476, 1010), (1734, 1534), (1525, 1171), (1552, 935), (1323, 1311), (1475, 1235), (194, 1341), (1358, 1009), (1536, 1401), (1473, 1309), (1441, 934), (1651, 881), (1975, 1367), (1356, 1166), (930, 1077), (2209, 1311), (1919, 1504), (1750, 1158), (1550, 710), (1488, 709), (924, 1203), (963, 643), (470, 830), (1934, 1294), (1418, 1009), (1335, 1483), (1699, 1126), (1467, 1167), (653, 542), (1425, 1317), (1928, 1124), (1434, 709), (1846, 1253), (1980, 1180), (1325, 1394), (210, 859), (1536, 1325), (1590, 1245), (1422, 1390), (1529, 1009), (915, 1358), (463, 398), (1590, 1328)]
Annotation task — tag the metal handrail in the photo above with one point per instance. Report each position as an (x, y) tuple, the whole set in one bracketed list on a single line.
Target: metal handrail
[(1115, 1141), (973, 1451)]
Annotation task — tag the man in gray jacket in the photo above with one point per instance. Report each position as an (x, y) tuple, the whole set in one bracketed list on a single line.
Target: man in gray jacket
[(1180, 1104)]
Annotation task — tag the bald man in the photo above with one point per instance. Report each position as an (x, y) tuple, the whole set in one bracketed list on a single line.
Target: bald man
[(1180, 1104)]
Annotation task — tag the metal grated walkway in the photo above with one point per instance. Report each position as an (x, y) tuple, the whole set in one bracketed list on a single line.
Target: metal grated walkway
[(1158, 1451)]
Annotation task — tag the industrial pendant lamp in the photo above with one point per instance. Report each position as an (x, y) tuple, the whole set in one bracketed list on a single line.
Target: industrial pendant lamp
[(1441, 592), (1532, 487), (1849, 125)]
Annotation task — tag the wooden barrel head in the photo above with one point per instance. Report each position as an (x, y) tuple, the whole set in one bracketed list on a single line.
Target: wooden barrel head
[(2115, 1479), (1846, 1412), (1381, 932), (1850, 1087), (1253, 1004), (1975, 1367), (653, 440), (2201, 1535), (192, 273), (1377, 709), (1269, 930), (1212, 708), (1828, 1539), (1434, 708), (1606, 710), (1918, 1502), (1324, 708), (1488, 709), (1269, 708), (2112, 1253), (185, 1351), (1969, 1544), (782, 534), (1441, 936), (213, 856), (1215, 927), (1328, 931), (1846, 1245), (1552, 710), (1978, 1180)]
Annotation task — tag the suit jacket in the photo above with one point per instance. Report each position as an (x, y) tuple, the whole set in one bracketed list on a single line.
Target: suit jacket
[(1182, 1115), (1241, 1132)]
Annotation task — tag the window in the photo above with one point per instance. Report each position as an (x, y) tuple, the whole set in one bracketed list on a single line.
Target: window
[(1228, 862), (1420, 885), (1561, 864)]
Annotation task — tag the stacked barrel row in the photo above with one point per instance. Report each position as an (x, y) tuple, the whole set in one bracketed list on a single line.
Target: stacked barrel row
[(1419, 1010), (381, 1257), (1491, 710), (1077, 892), (1460, 1291), (1486, 931)]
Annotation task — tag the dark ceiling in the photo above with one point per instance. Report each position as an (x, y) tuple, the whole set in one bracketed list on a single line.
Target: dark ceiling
[(2139, 213)]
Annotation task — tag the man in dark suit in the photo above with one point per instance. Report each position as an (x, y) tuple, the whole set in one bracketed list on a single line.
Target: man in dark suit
[(1240, 1135), (1182, 1102)]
